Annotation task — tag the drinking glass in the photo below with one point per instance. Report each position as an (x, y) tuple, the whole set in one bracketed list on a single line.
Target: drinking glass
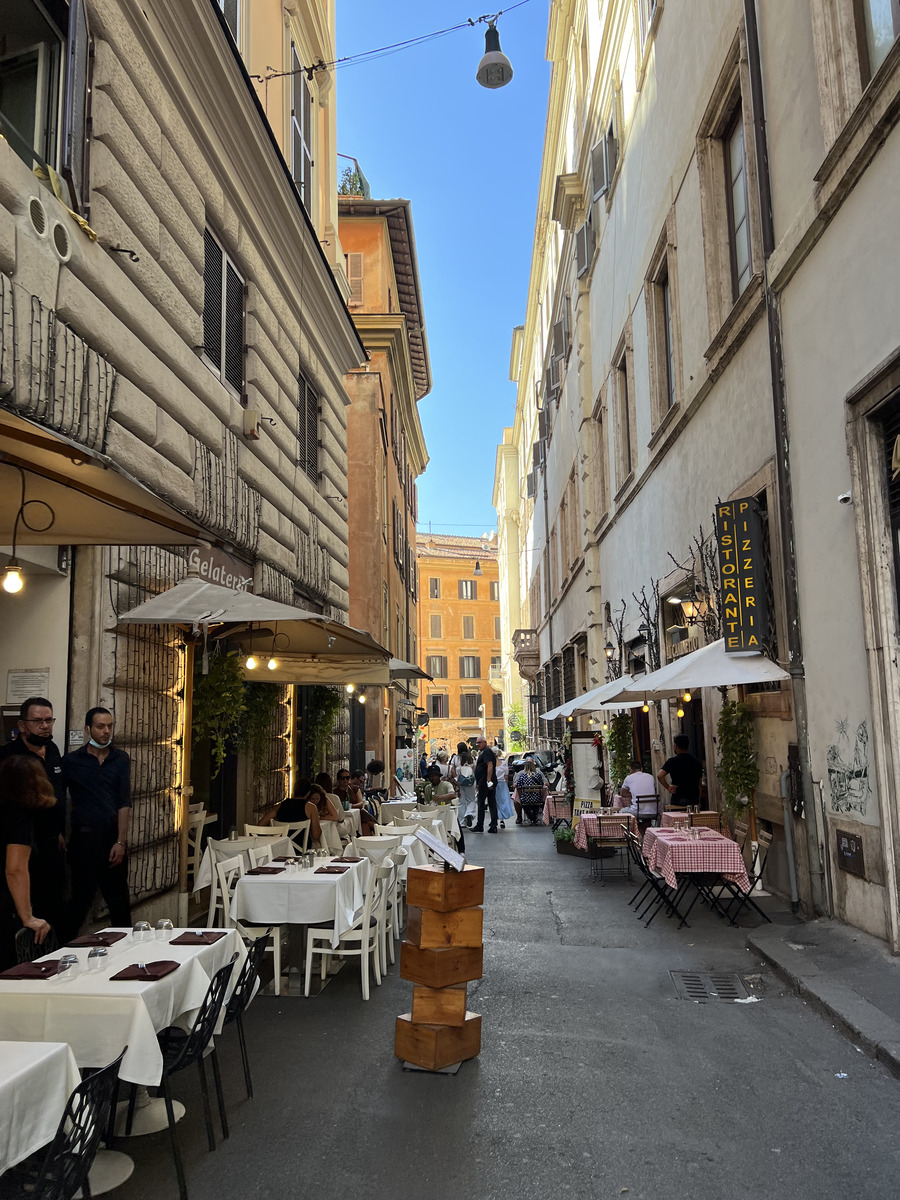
[(291, 865), (164, 928), (97, 957), (69, 965), (142, 931)]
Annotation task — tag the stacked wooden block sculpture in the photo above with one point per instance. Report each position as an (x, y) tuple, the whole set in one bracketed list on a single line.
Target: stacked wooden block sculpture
[(442, 951)]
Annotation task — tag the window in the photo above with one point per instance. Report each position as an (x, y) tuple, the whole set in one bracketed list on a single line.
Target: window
[(301, 130), (223, 314), (736, 197), (664, 351), (497, 705), (354, 262), (44, 74), (496, 661), (497, 634), (436, 666), (468, 589), (623, 398), (470, 666), (468, 628), (434, 589), (435, 625), (438, 706), (232, 11), (307, 428), (646, 13), (534, 599), (470, 704), (878, 22), (495, 589)]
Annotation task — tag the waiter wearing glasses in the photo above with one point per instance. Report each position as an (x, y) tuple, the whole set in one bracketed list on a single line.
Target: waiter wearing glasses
[(48, 864)]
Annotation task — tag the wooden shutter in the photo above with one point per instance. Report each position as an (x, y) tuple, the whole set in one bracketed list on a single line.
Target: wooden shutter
[(212, 298), (584, 247), (537, 456), (599, 173), (355, 277), (554, 377), (233, 363), (530, 485), (435, 625), (559, 340), (468, 627), (73, 167)]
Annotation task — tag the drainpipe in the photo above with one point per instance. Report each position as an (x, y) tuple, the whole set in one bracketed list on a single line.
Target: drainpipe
[(783, 465), (789, 840)]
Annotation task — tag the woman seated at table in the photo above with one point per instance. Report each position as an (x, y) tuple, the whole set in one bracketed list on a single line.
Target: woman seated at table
[(310, 803), (343, 793), (529, 791), (24, 788)]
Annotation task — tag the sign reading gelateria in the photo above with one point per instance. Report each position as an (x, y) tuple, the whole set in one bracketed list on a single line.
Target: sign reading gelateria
[(740, 540), (218, 567)]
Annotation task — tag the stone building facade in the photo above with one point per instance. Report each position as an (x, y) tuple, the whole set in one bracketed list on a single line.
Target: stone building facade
[(709, 318), (171, 312)]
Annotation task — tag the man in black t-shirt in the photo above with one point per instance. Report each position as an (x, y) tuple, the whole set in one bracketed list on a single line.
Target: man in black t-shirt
[(485, 785), (685, 771)]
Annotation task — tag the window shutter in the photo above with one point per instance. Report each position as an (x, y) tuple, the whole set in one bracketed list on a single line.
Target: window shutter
[(234, 329), (307, 144), (355, 277), (599, 169), (212, 298), (559, 340), (74, 140), (567, 326), (584, 248), (537, 456), (529, 485), (612, 155), (308, 429), (543, 429), (554, 376)]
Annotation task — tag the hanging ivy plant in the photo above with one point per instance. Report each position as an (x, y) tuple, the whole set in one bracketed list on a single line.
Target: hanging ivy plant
[(737, 768), (218, 704), (258, 723), (620, 747), (323, 707)]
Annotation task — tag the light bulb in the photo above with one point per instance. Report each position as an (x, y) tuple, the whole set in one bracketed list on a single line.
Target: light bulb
[(605, 726), (569, 719), (687, 697), (361, 698), (272, 664), (680, 712), (12, 580), (645, 708), (250, 664)]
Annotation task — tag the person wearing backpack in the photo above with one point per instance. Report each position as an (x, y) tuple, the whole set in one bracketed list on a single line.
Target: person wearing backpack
[(462, 774)]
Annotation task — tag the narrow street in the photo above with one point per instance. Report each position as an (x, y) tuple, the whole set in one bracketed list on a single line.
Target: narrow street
[(594, 1078)]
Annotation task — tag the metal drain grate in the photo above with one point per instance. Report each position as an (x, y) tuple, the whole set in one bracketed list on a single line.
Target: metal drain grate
[(708, 985)]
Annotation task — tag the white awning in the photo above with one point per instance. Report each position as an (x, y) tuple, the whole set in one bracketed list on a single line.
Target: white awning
[(597, 698), (710, 666), (306, 647)]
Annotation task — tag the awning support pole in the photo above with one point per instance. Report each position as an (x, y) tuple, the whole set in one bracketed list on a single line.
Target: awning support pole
[(186, 788)]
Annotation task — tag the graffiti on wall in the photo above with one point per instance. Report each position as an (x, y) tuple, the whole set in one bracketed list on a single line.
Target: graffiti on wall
[(848, 769)]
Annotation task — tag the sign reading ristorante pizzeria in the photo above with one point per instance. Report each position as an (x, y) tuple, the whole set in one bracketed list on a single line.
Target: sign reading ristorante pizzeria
[(739, 535)]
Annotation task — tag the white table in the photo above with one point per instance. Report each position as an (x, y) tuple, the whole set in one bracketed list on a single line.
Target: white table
[(302, 897), (98, 1017), (218, 851), (448, 814), (35, 1081)]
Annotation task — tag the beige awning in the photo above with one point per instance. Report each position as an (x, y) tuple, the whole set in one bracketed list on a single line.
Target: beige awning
[(710, 666), (94, 502)]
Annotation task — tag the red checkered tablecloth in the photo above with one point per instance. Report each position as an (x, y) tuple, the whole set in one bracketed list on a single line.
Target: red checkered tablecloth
[(673, 853), (556, 808), (592, 825)]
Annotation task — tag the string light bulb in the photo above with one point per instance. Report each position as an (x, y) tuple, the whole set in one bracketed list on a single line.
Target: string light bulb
[(680, 712), (687, 697), (272, 664), (250, 664), (351, 688), (645, 707), (12, 579), (361, 698)]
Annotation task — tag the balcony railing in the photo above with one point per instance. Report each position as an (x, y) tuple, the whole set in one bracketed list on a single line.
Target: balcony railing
[(526, 652)]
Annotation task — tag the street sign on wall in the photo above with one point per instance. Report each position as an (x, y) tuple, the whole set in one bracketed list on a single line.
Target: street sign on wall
[(742, 566)]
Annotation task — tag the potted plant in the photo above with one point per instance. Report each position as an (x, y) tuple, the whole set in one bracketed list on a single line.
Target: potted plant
[(564, 836), (737, 768), (620, 747)]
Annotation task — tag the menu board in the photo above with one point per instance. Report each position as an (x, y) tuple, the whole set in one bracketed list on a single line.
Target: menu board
[(580, 807)]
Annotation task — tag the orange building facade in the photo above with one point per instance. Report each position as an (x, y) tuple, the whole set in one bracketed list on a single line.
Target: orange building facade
[(459, 639), (385, 455)]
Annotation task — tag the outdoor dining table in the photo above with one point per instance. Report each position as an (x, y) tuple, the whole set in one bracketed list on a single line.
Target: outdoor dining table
[(35, 1081), (218, 851), (557, 810), (303, 897), (98, 1016), (678, 820), (392, 812), (603, 825), (674, 852)]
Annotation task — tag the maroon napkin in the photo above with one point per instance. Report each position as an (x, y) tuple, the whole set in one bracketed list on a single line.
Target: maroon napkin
[(105, 938), (33, 970), (331, 870), (266, 871), (205, 938), (149, 972), (348, 859), (282, 858)]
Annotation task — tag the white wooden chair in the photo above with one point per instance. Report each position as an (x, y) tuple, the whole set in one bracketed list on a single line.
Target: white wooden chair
[(260, 855), (377, 849), (363, 940), (229, 872), (262, 831), (297, 831), (394, 830), (196, 821)]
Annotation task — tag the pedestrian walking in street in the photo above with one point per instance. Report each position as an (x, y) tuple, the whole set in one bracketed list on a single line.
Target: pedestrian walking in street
[(24, 791), (462, 774), (98, 776), (505, 808), (48, 861), (486, 785)]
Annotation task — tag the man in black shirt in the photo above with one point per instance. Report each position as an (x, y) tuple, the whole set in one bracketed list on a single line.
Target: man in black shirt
[(47, 866), (98, 775), (485, 785), (685, 771)]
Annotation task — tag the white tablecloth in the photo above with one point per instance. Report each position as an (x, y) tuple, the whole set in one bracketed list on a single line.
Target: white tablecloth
[(98, 1017), (392, 813), (302, 898), (228, 849), (35, 1081)]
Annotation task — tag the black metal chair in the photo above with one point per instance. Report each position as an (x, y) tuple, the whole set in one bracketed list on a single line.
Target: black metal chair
[(744, 899), (181, 1050), (27, 949), (654, 893), (241, 997), (58, 1172)]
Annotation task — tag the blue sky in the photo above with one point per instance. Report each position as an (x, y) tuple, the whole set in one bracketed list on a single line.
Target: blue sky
[(468, 159)]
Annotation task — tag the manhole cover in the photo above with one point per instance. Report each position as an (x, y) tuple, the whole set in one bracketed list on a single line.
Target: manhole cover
[(708, 985)]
